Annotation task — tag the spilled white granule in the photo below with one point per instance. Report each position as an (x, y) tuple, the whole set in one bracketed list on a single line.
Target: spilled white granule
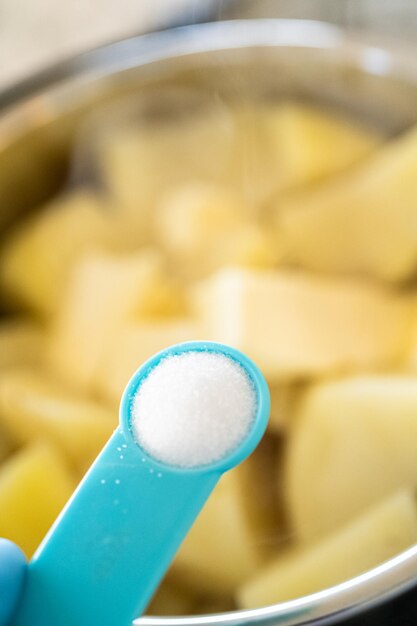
[(193, 409)]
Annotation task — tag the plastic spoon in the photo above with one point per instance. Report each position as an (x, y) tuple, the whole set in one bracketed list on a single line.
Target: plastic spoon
[(106, 554)]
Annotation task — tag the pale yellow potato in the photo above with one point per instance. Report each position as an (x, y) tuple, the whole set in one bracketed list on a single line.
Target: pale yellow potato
[(37, 257), (205, 226), (288, 145), (35, 483), (220, 551), (140, 164), (213, 603), (238, 529), (255, 481), (34, 407), (362, 221), (410, 357), (196, 215), (195, 223), (255, 149), (311, 144), (353, 443), (259, 162), (377, 535), (132, 346), (22, 343), (297, 324), (171, 600), (7, 446), (104, 293), (254, 246), (284, 399)]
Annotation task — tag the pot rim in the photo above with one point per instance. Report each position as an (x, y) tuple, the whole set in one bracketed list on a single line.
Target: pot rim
[(371, 53)]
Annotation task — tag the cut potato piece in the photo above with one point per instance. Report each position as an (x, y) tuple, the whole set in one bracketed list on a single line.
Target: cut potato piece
[(22, 342), (196, 216), (255, 482), (253, 149), (33, 407), (36, 259), (132, 346), (196, 222), (6, 445), (311, 144), (410, 361), (296, 324), (34, 486), (283, 146), (171, 600), (354, 442), (105, 292), (139, 164), (253, 246), (204, 227), (220, 551), (361, 222), (215, 603), (376, 536), (284, 398)]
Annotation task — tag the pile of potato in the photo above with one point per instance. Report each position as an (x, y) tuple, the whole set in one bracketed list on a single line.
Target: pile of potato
[(289, 233)]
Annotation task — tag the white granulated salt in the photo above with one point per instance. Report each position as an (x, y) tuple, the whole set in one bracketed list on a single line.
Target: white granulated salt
[(193, 409)]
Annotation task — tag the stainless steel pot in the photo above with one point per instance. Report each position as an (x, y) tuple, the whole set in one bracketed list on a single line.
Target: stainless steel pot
[(371, 79)]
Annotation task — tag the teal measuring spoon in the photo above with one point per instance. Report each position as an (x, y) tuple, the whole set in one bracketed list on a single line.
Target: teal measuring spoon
[(105, 555)]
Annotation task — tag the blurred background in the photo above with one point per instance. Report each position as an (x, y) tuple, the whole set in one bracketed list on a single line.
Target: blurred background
[(33, 33)]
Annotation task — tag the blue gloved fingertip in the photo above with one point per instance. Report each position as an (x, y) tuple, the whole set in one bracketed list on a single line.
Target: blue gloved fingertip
[(12, 572)]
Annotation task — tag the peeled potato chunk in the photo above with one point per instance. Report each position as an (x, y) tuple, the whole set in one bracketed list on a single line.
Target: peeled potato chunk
[(255, 482), (289, 145), (410, 357), (362, 221), (196, 215), (132, 346), (204, 226), (284, 398), (353, 443), (139, 164), (6, 445), (254, 246), (377, 535), (105, 291), (22, 342), (195, 224), (170, 600), (257, 150), (295, 324), (37, 257), (33, 407), (311, 144), (35, 483), (220, 551)]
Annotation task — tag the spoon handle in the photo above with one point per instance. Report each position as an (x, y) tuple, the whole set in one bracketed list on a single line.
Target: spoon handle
[(107, 552)]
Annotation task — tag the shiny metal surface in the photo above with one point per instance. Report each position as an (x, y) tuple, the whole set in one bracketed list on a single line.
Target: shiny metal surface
[(386, 17), (368, 78)]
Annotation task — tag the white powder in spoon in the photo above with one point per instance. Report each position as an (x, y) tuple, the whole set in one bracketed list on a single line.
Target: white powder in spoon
[(193, 409)]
